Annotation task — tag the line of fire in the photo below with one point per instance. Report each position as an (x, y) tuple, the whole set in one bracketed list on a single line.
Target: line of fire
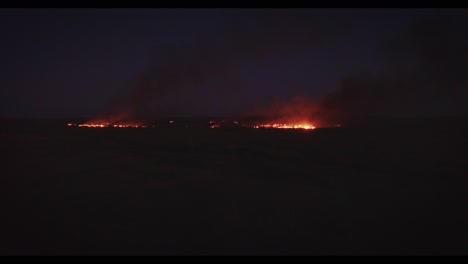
[(213, 123)]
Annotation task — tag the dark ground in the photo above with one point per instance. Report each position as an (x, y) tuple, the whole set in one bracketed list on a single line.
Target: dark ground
[(398, 190)]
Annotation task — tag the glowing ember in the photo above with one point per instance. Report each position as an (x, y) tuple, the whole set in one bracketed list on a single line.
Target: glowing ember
[(271, 124), (286, 126), (92, 125), (106, 124)]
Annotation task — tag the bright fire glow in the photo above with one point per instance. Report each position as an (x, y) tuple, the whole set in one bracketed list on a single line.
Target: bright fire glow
[(286, 126), (102, 125), (277, 124)]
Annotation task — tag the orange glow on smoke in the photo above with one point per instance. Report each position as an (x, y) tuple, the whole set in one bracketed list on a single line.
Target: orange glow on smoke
[(296, 113)]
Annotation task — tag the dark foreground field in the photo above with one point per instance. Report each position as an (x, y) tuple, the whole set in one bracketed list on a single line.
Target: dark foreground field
[(81, 191)]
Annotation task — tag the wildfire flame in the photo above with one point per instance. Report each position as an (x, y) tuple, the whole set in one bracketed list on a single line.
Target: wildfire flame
[(286, 126), (213, 124), (95, 124)]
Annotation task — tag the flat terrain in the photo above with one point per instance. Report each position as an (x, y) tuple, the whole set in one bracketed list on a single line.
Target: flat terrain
[(184, 191)]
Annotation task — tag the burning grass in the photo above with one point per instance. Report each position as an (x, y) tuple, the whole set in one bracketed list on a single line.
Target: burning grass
[(210, 124), (108, 124), (286, 126)]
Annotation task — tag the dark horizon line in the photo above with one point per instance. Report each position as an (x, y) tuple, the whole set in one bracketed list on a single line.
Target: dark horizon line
[(462, 116)]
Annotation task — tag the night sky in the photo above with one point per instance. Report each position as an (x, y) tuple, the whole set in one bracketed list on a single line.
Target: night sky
[(362, 117), (67, 63)]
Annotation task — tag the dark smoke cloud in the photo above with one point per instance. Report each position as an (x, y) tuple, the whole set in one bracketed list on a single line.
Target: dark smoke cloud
[(243, 35), (425, 73), (427, 77)]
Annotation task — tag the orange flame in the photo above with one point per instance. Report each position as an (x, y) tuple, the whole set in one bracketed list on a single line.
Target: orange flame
[(97, 124), (286, 126)]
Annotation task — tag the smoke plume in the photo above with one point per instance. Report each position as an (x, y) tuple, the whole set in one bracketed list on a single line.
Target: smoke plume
[(243, 35), (427, 75)]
